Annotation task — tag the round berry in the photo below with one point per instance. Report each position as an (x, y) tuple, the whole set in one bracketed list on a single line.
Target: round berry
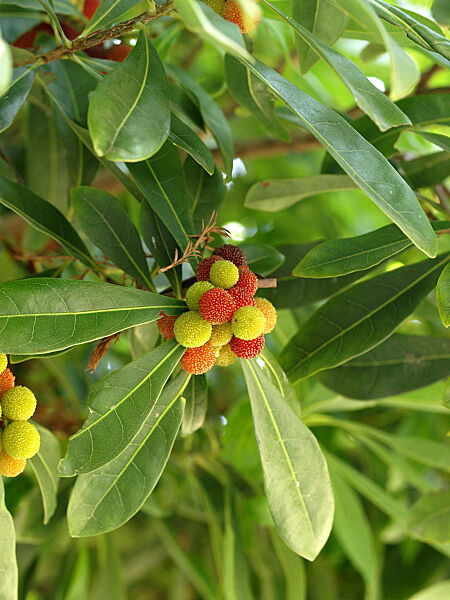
[(241, 297), (247, 281), (217, 5), (216, 306), (18, 403), (221, 334), (7, 381), (269, 312), (21, 439), (245, 16), (247, 348), (198, 360), (226, 356), (195, 292), (224, 274), (165, 325), (191, 330), (204, 267), (248, 323), (3, 362), (9, 466), (231, 253)]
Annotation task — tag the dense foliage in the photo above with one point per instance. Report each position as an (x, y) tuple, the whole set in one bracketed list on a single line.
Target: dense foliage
[(134, 136)]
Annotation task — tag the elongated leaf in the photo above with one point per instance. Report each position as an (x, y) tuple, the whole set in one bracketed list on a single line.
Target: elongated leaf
[(119, 403), (369, 98), (129, 112), (108, 497), (108, 226), (443, 296), (184, 137), (437, 591), (8, 564), (400, 364), (359, 319), (442, 141), (295, 473), (161, 181), (278, 194), (262, 258), (45, 465), (365, 165), (323, 19), (15, 95), (5, 66), (429, 518), (108, 12), (68, 312), (44, 217), (426, 171), (206, 191), (196, 396), (347, 255), (446, 394)]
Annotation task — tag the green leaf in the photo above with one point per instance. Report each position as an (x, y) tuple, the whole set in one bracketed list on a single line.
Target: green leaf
[(68, 312), (373, 174), (108, 497), (6, 69), (44, 217), (352, 529), (211, 114), (426, 171), (335, 258), (15, 96), (295, 472), (184, 137), (129, 112), (107, 13), (443, 296), (45, 465), (206, 191), (161, 181), (196, 396), (446, 394), (274, 195), (419, 359), (441, 11), (8, 564), (358, 319), (437, 591), (262, 258), (323, 19), (119, 404), (369, 98), (108, 226), (429, 518), (443, 141)]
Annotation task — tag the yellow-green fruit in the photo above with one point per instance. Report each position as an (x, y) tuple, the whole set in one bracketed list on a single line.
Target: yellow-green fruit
[(248, 323), (221, 334), (18, 403), (269, 312), (191, 330), (224, 274), (195, 292), (226, 356), (21, 440), (3, 362), (217, 5)]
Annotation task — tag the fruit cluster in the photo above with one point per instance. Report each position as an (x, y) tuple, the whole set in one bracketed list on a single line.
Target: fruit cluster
[(246, 14), (19, 439), (225, 320)]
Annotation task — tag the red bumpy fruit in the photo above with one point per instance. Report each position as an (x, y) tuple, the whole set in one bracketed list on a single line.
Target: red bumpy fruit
[(216, 306), (247, 348), (7, 381), (247, 281), (232, 253), (241, 297), (165, 325), (198, 360), (204, 267)]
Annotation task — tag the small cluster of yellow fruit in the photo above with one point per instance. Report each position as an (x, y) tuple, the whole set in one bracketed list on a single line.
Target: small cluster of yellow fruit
[(19, 439)]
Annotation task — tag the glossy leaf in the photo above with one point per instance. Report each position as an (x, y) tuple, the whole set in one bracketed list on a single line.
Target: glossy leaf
[(108, 497), (8, 564), (196, 397), (324, 20), (44, 217), (45, 465), (369, 98), (446, 395), (436, 591), (347, 255), (68, 312), (12, 100), (400, 364), (358, 319), (429, 518), (295, 473), (129, 112), (108, 12), (108, 226), (5, 66), (119, 403), (278, 194), (428, 170), (443, 296), (206, 191), (184, 137), (262, 258)]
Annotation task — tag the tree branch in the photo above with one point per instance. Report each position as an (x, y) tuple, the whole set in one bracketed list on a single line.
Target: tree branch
[(98, 37)]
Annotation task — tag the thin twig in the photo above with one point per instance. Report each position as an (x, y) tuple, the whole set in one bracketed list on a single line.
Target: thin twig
[(100, 351)]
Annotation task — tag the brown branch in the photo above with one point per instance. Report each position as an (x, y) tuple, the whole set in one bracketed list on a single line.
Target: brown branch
[(98, 37)]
